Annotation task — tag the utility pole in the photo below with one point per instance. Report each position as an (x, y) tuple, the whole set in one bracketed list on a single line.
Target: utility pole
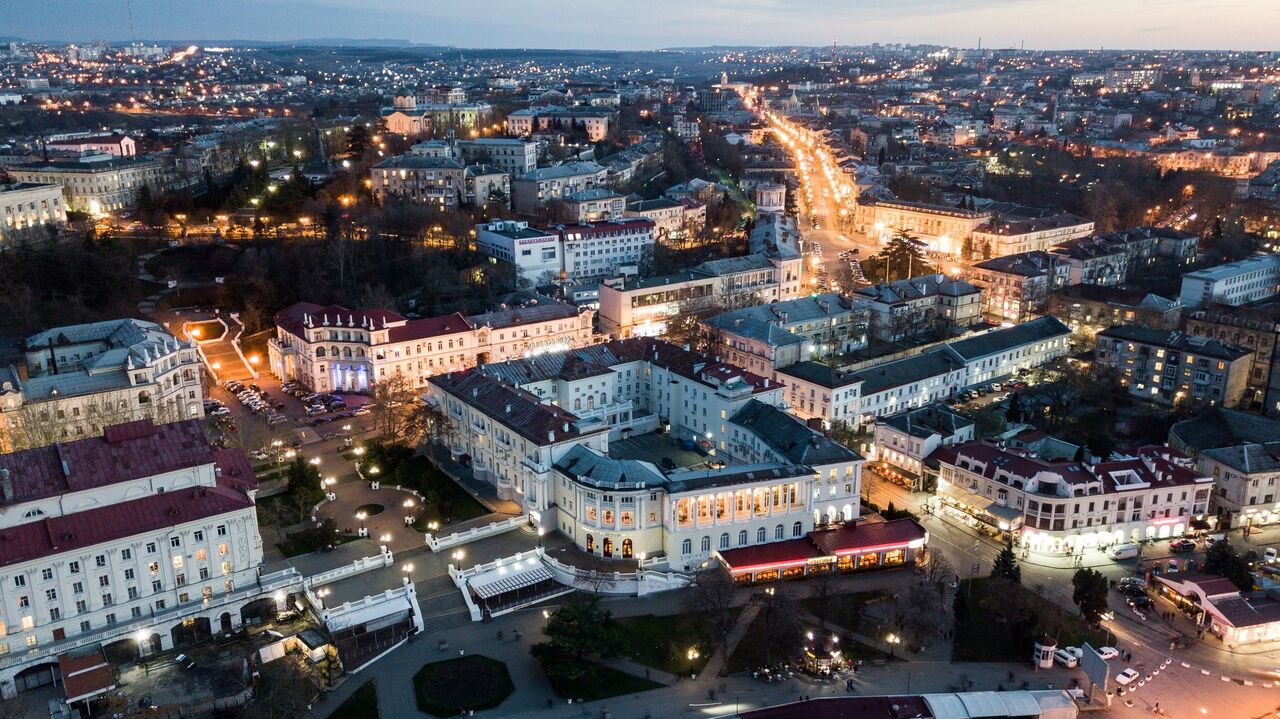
[(133, 36)]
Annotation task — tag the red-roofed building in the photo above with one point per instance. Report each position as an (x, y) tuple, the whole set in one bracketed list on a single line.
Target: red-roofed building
[(1216, 604), (1061, 505), (147, 534), (847, 548), (334, 349)]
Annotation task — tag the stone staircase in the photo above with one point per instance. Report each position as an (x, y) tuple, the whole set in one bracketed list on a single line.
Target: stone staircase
[(442, 604)]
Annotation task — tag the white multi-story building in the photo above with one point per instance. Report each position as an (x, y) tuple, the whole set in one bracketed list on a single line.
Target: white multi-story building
[(819, 391), (594, 205), (118, 145), (919, 304), (1235, 283), (99, 184), (594, 250), (146, 535), (593, 121), (1067, 506), (513, 155), (902, 441), (539, 430), (81, 378), (536, 254), (24, 205), (1247, 477), (764, 338), (337, 349)]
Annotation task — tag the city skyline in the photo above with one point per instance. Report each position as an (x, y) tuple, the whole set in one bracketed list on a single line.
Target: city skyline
[(1035, 24)]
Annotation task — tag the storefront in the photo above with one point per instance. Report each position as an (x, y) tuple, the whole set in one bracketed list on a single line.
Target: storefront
[(977, 512), (863, 547), (1217, 605)]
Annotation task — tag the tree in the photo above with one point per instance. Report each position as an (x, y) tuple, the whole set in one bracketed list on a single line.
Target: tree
[(780, 615), (938, 570), (921, 613), (283, 690), (304, 481), (1006, 565), (711, 596), (902, 259), (576, 632), (358, 140), (1223, 560), (966, 249), (1090, 593), (398, 412), (1013, 413)]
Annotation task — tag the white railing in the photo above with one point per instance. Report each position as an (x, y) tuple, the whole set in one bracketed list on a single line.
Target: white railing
[(235, 342), (471, 535), (402, 597), (357, 566)]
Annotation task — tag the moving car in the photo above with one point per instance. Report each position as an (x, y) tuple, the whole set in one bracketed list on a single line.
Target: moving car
[(1182, 545), (1126, 676)]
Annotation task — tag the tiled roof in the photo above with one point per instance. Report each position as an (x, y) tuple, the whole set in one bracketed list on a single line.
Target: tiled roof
[(1175, 340), (131, 451), (79, 530), (430, 327), (996, 341), (789, 437), (864, 535), (517, 409)]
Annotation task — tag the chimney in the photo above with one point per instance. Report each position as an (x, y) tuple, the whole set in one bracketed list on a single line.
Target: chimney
[(6, 486)]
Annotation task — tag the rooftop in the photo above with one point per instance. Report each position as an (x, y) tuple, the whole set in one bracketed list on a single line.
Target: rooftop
[(1175, 340)]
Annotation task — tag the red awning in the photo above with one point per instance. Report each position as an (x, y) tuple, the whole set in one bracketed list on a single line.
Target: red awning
[(775, 555)]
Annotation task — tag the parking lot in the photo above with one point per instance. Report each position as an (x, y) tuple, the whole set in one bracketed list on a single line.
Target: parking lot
[(270, 420)]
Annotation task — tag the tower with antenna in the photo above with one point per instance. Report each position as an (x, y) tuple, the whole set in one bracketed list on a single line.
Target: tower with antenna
[(133, 36)]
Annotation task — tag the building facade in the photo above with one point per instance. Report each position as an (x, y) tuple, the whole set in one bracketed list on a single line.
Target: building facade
[(27, 205), (1245, 478), (146, 535), (416, 178), (79, 379), (99, 184), (1168, 367), (1234, 284)]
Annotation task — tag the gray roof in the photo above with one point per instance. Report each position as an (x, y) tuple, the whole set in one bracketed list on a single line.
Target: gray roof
[(789, 437), (1248, 458), (730, 265), (696, 479), (917, 288), (569, 169), (997, 341), (546, 309), (588, 466), (935, 418), (763, 330), (905, 371), (126, 344), (823, 375), (418, 162), (1222, 427), (797, 311), (594, 193), (1177, 341)]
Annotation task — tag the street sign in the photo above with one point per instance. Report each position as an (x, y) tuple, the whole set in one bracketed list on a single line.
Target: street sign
[(1094, 666)]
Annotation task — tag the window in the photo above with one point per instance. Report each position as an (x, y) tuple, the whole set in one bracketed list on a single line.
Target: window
[(226, 567), (797, 529), (50, 594), (175, 542), (778, 532), (55, 614), (20, 580), (177, 561), (100, 560), (199, 535), (128, 574), (761, 536), (77, 587), (151, 547), (222, 530), (104, 580), (106, 599), (73, 567), (222, 550), (46, 574), (686, 547), (201, 555), (126, 554), (724, 540), (706, 544), (81, 606), (204, 573), (159, 604), (85, 626), (132, 592), (742, 538), (156, 586)]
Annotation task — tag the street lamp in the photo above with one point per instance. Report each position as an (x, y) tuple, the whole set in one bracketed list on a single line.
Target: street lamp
[(360, 516), (893, 640), (408, 571)]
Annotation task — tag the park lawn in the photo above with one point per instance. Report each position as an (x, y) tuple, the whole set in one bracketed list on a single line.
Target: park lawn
[(844, 610), (751, 652), (309, 541), (420, 474), (664, 642), (362, 704), (601, 682), (992, 632), (472, 682)]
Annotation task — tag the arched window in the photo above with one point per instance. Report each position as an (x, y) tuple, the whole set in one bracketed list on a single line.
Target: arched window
[(742, 538), (778, 532), (706, 544), (143, 398), (686, 547), (761, 536), (797, 529), (724, 540), (591, 543), (319, 352)]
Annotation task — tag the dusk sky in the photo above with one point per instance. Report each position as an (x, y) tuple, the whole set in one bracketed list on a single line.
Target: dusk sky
[(648, 24)]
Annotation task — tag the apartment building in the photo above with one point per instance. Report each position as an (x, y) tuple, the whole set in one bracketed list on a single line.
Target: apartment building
[(901, 442), (906, 308), (817, 391), (78, 379), (942, 227), (1255, 328), (1234, 283), (1089, 308), (1016, 287), (513, 155), (114, 144), (764, 338), (536, 254), (594, 205), (1245, 478), (146, 535), (1168, 367), (333, 348), (998, 238), (100, 184), (25, 205), (420, 179), (667, 216), (594, 121), (597, 249), (537, 187), (1056, 506)]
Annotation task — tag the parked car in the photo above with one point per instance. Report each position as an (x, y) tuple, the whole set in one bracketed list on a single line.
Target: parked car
[(1076, 652), (1182, 545), (1108, 652), (360, 411), (1065, 658), (1141, 601), (219, 411), (315, 410), (1269, 555), (1126, 676)]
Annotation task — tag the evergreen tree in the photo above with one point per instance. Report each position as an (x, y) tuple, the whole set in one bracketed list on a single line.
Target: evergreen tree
[(1013, 413), (1006, 566), (1090, 593), (966, 249), (903, 258)]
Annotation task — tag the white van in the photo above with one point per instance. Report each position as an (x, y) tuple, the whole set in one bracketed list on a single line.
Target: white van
[(1066, 659), (1123, 551)]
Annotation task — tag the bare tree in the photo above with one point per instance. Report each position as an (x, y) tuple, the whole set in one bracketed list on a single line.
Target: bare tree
[(781, 620), (824, 591), (711, 596), (937, 569), (398, 412), (920, 613), (284, 690)]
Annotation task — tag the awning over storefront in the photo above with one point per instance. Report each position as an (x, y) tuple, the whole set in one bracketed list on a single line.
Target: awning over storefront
[(821, 548), (776, 555), (966, 498), (493, 583)]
